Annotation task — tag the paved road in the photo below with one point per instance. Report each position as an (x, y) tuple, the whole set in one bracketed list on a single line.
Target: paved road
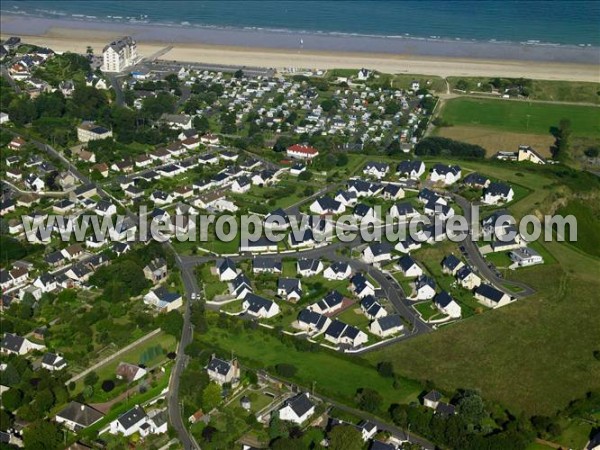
[(187, 334), (478, 261)]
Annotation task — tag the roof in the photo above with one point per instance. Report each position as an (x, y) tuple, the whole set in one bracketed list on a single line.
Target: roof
[(406, 262), (51, 359), (380, 248), (132, 417), (475, 179), (336, 329), (378, 445), (443, 169), (362, 210), (12, 342), (408, 166), (164, 295), (305, 149), (490, 292), (312, 318), (265, 263), (300, 404), (425, 280), (389, 322), (80, 414), (225, 264), (308, 264), (288, 284), (127, 371), (339, 267), (433, 396), (451, 262), (256, 302), (445, 409), (218, 365), (328, 204), (497, 188), (443, 299)]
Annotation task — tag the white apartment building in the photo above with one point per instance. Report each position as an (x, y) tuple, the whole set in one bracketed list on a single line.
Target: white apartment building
[(119, 54)]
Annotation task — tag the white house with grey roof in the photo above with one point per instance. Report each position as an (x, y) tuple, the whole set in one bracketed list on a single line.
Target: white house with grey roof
[(447, 175), (491, 297), (447, 305), (338, 270), (297, 409), (226, 269), (130, 422), (497, 193), (308, 267), (259, 307), (78, 416), (410, 169), (222, 371), (18, 345), (387, 325), (53, 362)]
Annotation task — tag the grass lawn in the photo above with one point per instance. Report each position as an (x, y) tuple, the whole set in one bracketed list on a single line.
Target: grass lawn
[(427, 310), (211, 283), (499, 259), (521, 116), (335, 375), (533, 356), (588, 225), (575, 433), (354, 316)]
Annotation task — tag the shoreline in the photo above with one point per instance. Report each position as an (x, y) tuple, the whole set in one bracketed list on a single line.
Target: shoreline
[(76, 38)]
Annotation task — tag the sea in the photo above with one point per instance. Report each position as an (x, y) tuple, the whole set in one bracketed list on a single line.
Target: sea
[(543, 30)]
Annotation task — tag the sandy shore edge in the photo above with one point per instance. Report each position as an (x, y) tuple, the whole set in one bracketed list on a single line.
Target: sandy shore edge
[(77, 40)]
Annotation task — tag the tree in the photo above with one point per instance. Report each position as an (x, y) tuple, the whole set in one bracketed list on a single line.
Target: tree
[(561, 145), (172, 323), (470, 407), (592, 152), (368, 400), (11, 399), (286, 370), (42, 435), (385, 369), (239, 74), (305, 176), (211, 396), (91, 378), (277, 428), (201, 124), (345, 437)]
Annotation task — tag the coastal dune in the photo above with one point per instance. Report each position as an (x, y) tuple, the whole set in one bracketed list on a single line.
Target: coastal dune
[(77, 40)]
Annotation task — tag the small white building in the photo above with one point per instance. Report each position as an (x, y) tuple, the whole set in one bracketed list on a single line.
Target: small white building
[(297, 409)]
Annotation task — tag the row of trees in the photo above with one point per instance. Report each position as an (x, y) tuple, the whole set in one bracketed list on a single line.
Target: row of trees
[(440, 146)]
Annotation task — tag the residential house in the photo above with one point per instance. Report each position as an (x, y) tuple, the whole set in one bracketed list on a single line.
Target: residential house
[(297, 409), (156, 270), (338, 270), (312, 321), (161, 198), (446, 305), (78, 416), (410, 169), (241, 185), (497, 193), (105, 208), (53, 362), (226, 269), (364, 213), (346, 198), (424, 288), (372, 308), (427, 196), (129, 372), (13, 344), (403, 211), (261, 264), (240, 286), (377, 252), (300, 151), (476, 181), (526, 153), (432, 399), (34, 182), (491, 297), (221, 371), (89, 131), (387, 325), (376, 169), (409, 267), (289, 289), (447, 175), (392, 192), (451, 264), (340, 333), (259, 307), (361, 286), (467, 278), (523, 257), (17, 143), (163, 300), (129, 422), (331, 303), (309, 267)]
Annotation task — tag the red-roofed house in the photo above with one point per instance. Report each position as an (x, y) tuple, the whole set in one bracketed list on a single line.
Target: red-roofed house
[(300, 151)]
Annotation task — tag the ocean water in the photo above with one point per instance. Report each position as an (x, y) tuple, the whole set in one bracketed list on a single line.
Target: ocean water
[(561, 22)]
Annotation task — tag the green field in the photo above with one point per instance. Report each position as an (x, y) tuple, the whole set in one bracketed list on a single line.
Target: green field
[(335, 376), (588, 225), (533, 356), (521, 116)]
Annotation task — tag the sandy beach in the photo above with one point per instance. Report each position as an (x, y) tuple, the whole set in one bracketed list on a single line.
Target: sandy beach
[(76, 40)]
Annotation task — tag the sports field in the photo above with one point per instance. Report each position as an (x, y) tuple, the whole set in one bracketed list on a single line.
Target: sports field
[(521, 116)]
